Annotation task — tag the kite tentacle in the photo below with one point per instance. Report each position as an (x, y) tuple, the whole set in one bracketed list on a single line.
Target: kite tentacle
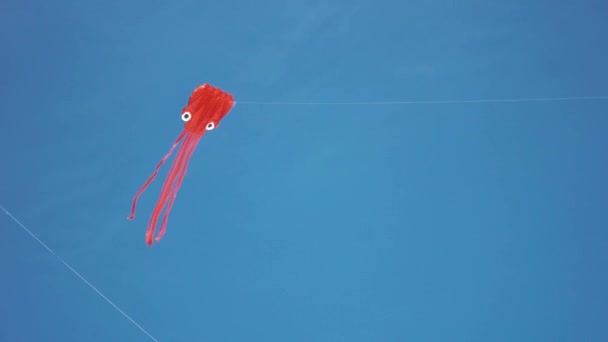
[(162, 161), (189, 146), (166, 190)]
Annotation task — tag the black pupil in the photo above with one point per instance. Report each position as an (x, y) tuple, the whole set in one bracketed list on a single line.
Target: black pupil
[(186, 116)]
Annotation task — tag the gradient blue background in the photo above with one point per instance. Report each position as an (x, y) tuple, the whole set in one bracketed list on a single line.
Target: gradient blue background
[(443, 222)]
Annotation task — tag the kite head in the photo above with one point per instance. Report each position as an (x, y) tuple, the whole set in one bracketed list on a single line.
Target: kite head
[(206, 107)]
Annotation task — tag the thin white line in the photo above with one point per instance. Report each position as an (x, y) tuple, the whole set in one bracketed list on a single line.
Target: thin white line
[(538, 99), (79, 275)]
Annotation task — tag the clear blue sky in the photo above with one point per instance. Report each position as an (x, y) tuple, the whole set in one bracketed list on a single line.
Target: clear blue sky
[(442, 222)]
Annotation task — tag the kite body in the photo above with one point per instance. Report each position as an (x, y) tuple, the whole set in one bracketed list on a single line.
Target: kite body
[(207, 106)]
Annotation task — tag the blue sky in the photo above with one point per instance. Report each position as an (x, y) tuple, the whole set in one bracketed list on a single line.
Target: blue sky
[(435, 222)]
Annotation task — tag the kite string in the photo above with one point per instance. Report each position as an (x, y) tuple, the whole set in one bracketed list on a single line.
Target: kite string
[(78, 274), (537, 99)]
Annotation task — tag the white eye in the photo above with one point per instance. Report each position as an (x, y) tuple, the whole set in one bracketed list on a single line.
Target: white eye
[(210, 126), (186, 116)]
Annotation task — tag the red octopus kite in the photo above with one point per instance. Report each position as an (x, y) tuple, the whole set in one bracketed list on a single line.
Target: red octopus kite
[(206, 108)]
